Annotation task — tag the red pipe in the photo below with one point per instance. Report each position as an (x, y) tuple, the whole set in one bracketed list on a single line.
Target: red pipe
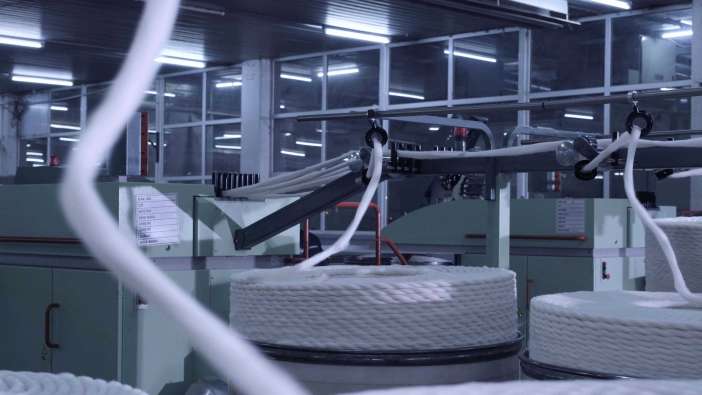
[(307, 238), (395, 250)]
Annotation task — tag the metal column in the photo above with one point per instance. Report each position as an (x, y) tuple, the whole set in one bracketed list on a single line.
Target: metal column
[(256, 125)]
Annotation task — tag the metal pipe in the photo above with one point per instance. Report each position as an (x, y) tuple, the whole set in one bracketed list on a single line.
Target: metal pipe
[(532, 106)]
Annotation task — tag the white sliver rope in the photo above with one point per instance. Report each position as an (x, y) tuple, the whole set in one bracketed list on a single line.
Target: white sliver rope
[(231, 355), (30, 383)]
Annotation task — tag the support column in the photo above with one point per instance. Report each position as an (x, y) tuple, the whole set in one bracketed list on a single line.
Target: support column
[(696, 102), (499, 190), (256, 120), (8, 139)]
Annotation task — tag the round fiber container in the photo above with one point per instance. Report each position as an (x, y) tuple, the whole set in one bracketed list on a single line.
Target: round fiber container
[(350, 328), (685, 235), (616, 334), (30, 383)]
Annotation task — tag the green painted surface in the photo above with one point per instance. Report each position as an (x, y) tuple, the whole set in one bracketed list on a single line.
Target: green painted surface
[(24, 295)]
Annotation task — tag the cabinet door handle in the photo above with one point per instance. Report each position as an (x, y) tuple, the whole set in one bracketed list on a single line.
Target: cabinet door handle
[(47, 326)]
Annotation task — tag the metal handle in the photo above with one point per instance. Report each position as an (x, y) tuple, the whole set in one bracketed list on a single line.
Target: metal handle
[(47, 326)]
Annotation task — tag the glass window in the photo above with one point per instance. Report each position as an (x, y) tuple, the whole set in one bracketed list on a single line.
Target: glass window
[(296, 145), (223, 148), (589, 119), (182, 151), (568, 59), (345, 136), (65, 111), (652, 48), (340, 218), (418, 73), (62, 147), (33, 153), (224, 94), (183, 99), (95, 95), (353, 79), (297, 86), (668, 114), (486, 65)]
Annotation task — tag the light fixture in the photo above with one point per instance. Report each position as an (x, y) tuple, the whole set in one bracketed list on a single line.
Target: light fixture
[(687, 22), (228, 136), (58, 108), (69, 139), (230, 147), (228, 84), (20, 42), (308, 143), (614, 3), (374, 38), (167, 94), (34, 160), (599, 177), (333, 73), (406, 95), (579, 116), (151, 131), (41, 80), (287, 134), (32, 153), (470, 55), (677, 34), (667, 89), (619, 173), (282, 106), (62, 126), (434, 129), (295, 77), (293, 153), (195, 64)]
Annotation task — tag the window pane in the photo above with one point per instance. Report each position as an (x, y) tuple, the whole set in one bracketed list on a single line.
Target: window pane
[(65, 111), (353, 79), (224, 94), (223, 148), (418, 73), (183, 99), (62, 148), (486, 65), (182, 151), (96, 94), (589, 119), (340, 218), (296, 145), (644, 51), (668, 114), (345, 136), (297, 86), (568, 59), (33, 153)]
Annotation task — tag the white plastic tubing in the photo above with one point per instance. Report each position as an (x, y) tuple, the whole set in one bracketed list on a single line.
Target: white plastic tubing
[(225, 350), (661, 237)]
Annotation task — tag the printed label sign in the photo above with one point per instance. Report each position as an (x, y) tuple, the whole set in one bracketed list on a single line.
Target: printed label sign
[(570, 216), (156, 219)]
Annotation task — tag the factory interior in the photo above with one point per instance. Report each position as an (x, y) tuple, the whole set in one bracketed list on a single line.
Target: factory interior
[(376, 197)]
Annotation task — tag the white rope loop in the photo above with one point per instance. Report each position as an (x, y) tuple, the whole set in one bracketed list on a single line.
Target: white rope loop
[(31, 383)]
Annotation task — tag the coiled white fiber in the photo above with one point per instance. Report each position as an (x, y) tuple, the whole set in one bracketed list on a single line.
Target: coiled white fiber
[(30, 383), (685, 235), (396, 308)]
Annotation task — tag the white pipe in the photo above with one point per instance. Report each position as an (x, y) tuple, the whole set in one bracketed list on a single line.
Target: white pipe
[(621, 142), (688, 173), (374, 170), (650, 224), (495, 153), (231, 355)]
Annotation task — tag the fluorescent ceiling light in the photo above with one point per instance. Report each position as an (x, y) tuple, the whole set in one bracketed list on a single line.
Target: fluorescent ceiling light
[(41, 80), (374, 38), (151, 131), (579, 116), (167, 94), (231, 84), (614, 3), (32, 153), (474, 56), (687, 22), (295, 77), (228, 136), (69, 139), (232, 147), (406, 95), (677, 34), (667, 89), (196, 64), (332, 73), (20, 42), (308, 143), (62, 126), (35, 160), (282, 106), (59, 108), (287, 134), (434, 129), (293, 153)]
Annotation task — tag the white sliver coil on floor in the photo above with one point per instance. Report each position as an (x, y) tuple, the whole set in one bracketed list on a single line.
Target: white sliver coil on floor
[(29, 383), (685, 235), (579, 387), (370, 308), (652, 335)]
